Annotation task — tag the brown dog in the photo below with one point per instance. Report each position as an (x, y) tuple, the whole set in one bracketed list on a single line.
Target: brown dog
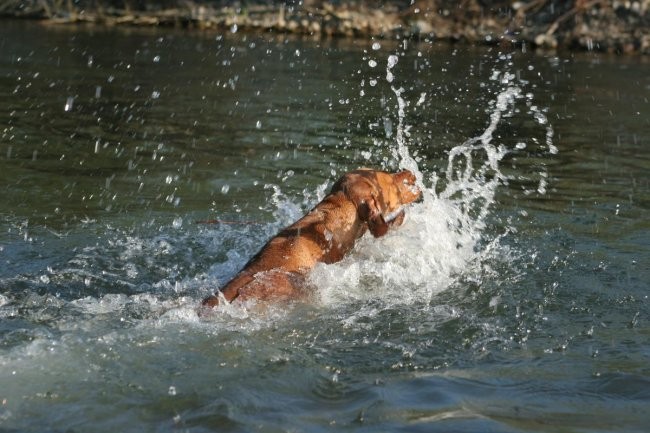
[(361, 200)]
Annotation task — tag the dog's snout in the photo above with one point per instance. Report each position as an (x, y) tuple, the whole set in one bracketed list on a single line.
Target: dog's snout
[(410, 192), (420, 197)]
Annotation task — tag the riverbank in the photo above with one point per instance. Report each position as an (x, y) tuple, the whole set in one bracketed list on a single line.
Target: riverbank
[(596, 25)]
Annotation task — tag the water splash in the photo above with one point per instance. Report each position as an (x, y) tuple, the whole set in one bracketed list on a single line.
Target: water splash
[(444, 238)]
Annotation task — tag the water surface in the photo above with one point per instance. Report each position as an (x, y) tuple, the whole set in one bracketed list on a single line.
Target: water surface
[(514, 298)]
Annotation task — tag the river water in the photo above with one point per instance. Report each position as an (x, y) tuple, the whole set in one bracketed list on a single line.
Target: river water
[(514, 298)]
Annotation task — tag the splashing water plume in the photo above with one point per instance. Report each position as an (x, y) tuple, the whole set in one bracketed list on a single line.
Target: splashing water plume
[(444, 236)]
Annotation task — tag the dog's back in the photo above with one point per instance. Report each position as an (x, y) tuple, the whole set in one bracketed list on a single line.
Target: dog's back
[(356, 203), (325, 234)]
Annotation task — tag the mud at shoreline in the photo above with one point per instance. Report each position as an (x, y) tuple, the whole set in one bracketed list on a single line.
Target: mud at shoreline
[(604, 26)]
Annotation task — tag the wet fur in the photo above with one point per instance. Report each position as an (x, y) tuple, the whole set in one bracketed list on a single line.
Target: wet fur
[(362, 200)]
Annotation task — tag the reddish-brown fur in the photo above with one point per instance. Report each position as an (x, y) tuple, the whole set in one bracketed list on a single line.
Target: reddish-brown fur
[(361, 200)]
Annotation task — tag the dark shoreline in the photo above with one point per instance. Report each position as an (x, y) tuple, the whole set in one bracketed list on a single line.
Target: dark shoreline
[(581, 25)]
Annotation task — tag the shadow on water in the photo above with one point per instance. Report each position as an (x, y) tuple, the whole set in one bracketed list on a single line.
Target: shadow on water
[(514, 298)]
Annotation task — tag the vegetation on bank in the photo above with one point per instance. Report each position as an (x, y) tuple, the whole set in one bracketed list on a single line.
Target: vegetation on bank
[(600, 25)]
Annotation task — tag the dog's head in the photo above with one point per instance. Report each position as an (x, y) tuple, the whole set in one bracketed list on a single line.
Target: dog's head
[(379, 196), (397, 189)]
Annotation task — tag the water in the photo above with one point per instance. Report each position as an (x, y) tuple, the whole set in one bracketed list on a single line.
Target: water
[(514, 298)]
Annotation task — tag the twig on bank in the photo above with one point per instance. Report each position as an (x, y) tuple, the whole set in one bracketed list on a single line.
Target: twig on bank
[(581, 5), (523, 9)]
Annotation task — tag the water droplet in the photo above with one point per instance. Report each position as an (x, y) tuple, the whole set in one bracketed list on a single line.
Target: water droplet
[(258, 124), (392, 61), (540, 118), (388, 127), (168, 179), (520, 145), (172, 390), (423, 97), (225, 189), (156, 59), (233, 28), (155, 94), (177, 223), (372, 82), (372, 63), (376, 46), (68, 104)]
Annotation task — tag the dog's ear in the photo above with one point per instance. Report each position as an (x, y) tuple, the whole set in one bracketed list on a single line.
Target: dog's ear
[(370, 213), (405, 176)]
